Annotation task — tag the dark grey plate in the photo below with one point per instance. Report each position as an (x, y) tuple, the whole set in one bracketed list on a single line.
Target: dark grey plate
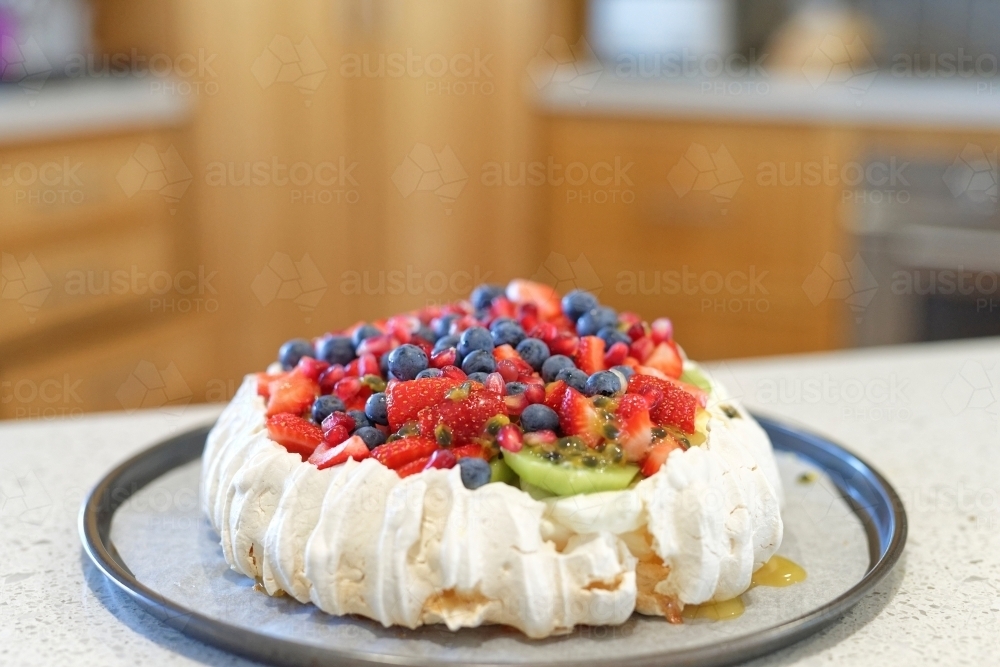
[(872, 500)]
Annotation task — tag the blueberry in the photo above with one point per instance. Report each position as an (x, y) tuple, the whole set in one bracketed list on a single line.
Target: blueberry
[(442, 325), (516, 388), (292, 351), (479, 377), (475, 472), (533, 351), (611, 335), (444, 343), (479, 361), (578, 302), (364, 332), (429, 373), (538, 417), (406, 361), (604, 383), (336, 350), (371, 436), (360, 418), (506, 331), (375, 409), (596, 319), (474, 338), (554, 364), (627, 371), (324, 406), (574, 377), (426, 333), (483, 295)]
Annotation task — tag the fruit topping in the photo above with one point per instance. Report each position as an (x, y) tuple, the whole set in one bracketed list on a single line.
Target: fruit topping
[(406, 361), (404, 400), (324, 406), (670, 405), (293, 393), (475, 472), (397, 453), (327, 456), (539, 418), (297, 435), (534, 351), (590, 355), (290, 353), (463, 418), (569, 468), (602, 383)]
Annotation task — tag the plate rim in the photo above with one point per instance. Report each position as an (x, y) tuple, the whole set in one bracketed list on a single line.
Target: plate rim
[(128, 477)]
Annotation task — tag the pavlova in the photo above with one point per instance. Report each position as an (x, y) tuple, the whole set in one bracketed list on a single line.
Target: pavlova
[(516, 458)]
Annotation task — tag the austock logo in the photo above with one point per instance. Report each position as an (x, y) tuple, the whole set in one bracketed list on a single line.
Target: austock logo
[(284, 62), (148, 170), (284, 279), (973, 175), (703, 171), (24, 64), (563, 275), (25, 282), (836, 62), (851, 282), (558, 62), (975, 387), (148, 387), (423, 170)]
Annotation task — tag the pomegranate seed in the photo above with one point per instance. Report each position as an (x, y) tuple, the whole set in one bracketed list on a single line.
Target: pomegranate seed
[(636, 331), (496, 384), (453, 372), (377, 345), (540, 437), (502, 307), (341, 419), (462, 323), (441, 459), (615, 355), (663, 330), (507, 369), (565, 343), (510, 438), (336, 435), (444, 358), (312, 368), (347, 388), (330, 377), (368, 365), (516, 404), (642, 348), (546, 331), (535, 393)]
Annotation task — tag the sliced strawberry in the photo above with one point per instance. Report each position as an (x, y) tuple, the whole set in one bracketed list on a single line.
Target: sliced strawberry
[(670, 405), (327, 455), (377, 345), (658, 455), (264, 381), (579, 417), (405, 400), (590, 355), (544, 331), (542, 296), (501, 306), (470, 451), (297, 435), (662, 330), (293, 393), (554, 392), (616, 355), (396, 454), (501, 352), (465, 418), (413, 467), (641, 348), (666, 359), (636, 426), (565, 343)]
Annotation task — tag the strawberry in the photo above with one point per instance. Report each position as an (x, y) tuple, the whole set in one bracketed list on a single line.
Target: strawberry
[(542, 296), (293, 393), (616, 354), (405, 400), (666, 359), (544, 331), (579, 417), (464, 418), (565, 343), (264, 381), (396, 454), (413, 467), (629, 318), (527, 315), (636, 427), (327, 455), (469, 451), (502, 352), (641, 348), (501, 306), (554, 392), (377, 345), (294, 433), (670, 405), (590, 356), (658, 455)]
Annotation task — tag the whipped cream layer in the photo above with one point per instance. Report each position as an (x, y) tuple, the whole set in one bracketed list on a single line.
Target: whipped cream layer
[(357, 539)]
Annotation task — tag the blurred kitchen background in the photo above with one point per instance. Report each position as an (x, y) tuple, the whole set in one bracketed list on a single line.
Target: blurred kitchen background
[(184, 185)]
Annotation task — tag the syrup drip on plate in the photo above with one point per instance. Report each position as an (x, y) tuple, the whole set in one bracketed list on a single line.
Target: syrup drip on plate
[(777, 572)]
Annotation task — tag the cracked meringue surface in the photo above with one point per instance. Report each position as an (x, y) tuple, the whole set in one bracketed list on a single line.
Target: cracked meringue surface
[(357, 539)]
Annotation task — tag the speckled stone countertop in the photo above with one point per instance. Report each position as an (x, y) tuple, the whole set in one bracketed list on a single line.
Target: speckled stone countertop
[(926, 416)]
